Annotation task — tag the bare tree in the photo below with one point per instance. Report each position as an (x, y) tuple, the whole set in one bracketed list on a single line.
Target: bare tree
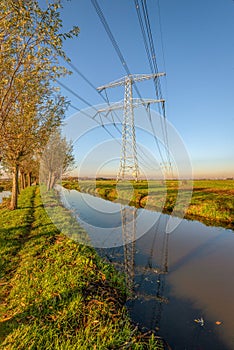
[(57, 158)]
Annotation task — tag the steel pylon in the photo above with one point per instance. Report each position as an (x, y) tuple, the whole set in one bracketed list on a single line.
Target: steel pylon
[(128, 162), (129, 168)]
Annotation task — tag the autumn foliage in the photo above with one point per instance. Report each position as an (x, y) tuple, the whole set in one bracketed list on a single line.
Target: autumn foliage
[(31, 109)]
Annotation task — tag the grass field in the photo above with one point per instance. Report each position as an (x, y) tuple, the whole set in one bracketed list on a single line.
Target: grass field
[(57, 294), (209, 201)]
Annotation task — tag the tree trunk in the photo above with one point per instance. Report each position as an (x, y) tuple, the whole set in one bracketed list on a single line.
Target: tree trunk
[(22, 180), (53, 180), (15, 186), (49, 181), (29, 179)]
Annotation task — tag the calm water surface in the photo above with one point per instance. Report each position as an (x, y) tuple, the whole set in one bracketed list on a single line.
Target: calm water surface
[(4, 194), (174, 278)]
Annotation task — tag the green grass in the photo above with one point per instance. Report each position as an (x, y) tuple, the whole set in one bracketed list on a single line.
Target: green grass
[(55, 293), (209, 201)]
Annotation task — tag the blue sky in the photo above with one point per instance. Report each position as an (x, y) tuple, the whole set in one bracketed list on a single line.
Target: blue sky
[(197, 56)]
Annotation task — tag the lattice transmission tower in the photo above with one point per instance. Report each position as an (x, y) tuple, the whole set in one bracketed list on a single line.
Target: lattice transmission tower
[(129, 167)]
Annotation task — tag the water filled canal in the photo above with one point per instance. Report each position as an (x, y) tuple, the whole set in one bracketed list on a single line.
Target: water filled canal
[(181, 283), (4, 194)]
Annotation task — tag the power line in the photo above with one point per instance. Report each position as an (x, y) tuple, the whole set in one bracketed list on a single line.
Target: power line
[(110, 35), (119, 53), (161, 35), (117, 49), (146, 31), (104, 127), (87, 80), (156, 70), (142, 151), (101, 124), (152, 48), (113, 41), (152, 63), (155, 138), (164, 64), (74, 93)]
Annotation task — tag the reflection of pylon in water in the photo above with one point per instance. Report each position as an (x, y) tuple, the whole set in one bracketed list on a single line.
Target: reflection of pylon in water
[(128, 215), (155, 322), (158, 274), (129, 225)]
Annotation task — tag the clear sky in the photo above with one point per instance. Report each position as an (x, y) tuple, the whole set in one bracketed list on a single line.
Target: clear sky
[(194, 46)]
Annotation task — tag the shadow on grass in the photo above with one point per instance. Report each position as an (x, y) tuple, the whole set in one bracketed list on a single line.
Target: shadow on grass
[(11, 242), (59, 314)]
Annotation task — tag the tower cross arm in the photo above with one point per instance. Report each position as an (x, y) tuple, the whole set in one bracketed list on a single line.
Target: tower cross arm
[(132, 78), (136, 102), (140, 77)]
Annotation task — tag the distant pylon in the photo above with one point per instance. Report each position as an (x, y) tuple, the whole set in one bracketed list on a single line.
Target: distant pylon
[(129, 168)]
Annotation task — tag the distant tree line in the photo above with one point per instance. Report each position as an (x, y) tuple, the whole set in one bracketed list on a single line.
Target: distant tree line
[(31, 109)]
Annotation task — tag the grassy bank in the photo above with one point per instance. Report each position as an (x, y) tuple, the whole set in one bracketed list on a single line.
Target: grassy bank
[(55, 293), (211, 202)]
